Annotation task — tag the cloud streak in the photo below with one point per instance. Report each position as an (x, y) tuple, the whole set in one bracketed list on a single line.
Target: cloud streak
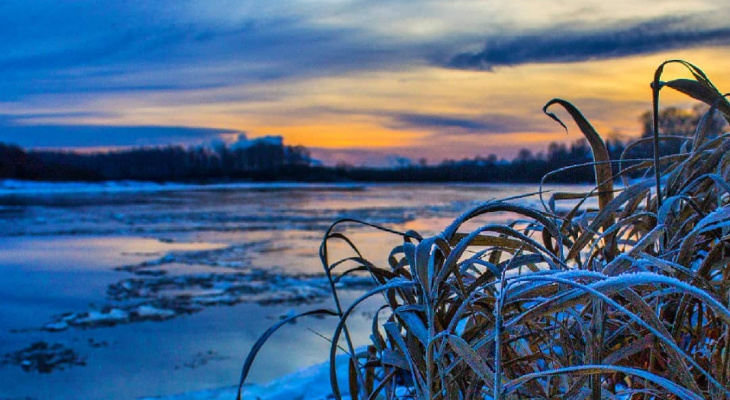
[(560, 44), (99, 136), (465, 125)]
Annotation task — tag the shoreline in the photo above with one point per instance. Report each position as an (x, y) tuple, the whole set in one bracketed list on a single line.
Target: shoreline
[(309, 383)]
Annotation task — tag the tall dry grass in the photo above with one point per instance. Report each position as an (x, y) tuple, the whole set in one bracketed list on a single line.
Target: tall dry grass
[(628, 301)]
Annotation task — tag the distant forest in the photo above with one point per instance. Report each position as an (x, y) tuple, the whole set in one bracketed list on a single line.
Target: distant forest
[(271, 160)]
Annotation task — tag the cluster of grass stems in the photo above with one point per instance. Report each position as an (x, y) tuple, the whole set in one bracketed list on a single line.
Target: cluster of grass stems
[(626, 301)]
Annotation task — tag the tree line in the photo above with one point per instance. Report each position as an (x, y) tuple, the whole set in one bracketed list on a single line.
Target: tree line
[(170, 163), (271, 160)]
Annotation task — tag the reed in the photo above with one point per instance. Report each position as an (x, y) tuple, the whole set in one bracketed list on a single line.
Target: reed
[(627, 301)]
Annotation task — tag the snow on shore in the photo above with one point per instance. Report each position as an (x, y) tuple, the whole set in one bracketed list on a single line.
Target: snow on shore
[(312, 383), (17, 187)]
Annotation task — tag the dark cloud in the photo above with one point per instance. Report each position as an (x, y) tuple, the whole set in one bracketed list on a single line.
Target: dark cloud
[(447, 124), (24, 118), (79, 136), (567, 44), (437, 121)]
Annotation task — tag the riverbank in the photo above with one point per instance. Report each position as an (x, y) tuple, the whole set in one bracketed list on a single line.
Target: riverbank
[(311, 383)]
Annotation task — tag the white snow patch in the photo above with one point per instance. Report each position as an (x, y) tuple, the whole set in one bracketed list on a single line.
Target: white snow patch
[(96, 317), (154, 312), (312, 383), (219, 299), (56, 326)]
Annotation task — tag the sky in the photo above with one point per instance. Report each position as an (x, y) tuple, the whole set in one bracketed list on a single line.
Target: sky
[(354, 81)]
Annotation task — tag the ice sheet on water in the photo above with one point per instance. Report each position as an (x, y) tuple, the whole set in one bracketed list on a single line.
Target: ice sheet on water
[(44, 358)]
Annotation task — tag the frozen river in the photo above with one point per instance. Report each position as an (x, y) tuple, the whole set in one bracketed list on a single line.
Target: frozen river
[(142, 289)]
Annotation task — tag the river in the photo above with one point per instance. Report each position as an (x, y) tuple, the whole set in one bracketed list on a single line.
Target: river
[(144, 289)]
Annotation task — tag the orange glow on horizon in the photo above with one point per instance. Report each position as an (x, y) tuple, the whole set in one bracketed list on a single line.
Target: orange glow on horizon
[(342, 135), (361, 110)]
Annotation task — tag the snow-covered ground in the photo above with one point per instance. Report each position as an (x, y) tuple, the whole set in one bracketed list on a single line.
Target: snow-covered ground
[(17, 187), (312, 383)]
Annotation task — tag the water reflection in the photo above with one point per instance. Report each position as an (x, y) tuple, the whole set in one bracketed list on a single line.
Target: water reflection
[(59, 251)]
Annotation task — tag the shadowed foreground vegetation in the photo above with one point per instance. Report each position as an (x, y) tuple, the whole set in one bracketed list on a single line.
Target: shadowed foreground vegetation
[(626, 301)]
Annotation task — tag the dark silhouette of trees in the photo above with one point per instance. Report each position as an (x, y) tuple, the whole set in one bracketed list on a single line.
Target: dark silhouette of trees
[(677, 122), (15, 163), (172, 163), (270, 159), (266, 161)]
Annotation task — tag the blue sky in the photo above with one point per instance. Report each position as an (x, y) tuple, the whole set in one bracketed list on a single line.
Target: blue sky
[(358, 80)]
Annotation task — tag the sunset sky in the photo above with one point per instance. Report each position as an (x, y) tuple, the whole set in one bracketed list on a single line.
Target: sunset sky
[(354, 81)]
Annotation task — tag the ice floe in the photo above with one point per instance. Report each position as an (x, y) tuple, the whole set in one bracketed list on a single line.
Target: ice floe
[(44, 358), (162, 297)]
